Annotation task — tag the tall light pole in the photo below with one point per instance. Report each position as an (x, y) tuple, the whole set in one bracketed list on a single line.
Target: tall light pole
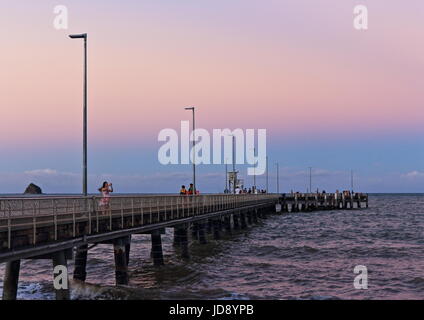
[(234, 161), (351, 180), (226, 175), (84, 160), (234, 164), (254, 171), (194, 153), (310, 179), (278, 177), (267, 174)]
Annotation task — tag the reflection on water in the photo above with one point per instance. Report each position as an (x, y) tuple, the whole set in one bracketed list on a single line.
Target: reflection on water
[(292, 256)]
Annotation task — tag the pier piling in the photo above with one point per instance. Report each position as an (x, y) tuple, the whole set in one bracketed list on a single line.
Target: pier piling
[(184, 242), (202, 233), (128, 250), (121, 268), (176, 242), (216, 229), (249, 218), (80, 272), (243, 221), (195, 231), (236, 221), (227, 224), (157, 252), (11, 279), (59, 259)]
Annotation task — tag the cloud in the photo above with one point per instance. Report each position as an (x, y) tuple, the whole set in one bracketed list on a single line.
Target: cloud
[(413, 174), (38, 172)]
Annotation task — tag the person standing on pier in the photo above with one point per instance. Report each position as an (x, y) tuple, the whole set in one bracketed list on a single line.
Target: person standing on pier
[(183, 190), (191, 189), (105, 190)]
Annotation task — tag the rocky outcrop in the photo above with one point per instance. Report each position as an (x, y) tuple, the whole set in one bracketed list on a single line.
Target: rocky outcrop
[(33, 189)]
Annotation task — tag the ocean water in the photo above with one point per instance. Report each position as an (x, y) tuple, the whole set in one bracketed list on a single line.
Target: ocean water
[(290, 256)]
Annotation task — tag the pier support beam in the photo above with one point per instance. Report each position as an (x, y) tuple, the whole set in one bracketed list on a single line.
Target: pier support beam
[(255, 216), (59, 259), (236, 222), (243, 221), (121, 268), (195, 231), (184, 242), (11, 279), (157, 252), (127, 250), (202, 233), (227, 224), (209, 226), (216, 229), (177, 239), (249, 218), (80, 272)]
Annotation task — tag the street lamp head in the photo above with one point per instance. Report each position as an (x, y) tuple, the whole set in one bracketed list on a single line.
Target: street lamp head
[(190, 108), (78, 36)]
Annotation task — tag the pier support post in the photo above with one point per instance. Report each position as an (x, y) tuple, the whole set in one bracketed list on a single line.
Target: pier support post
[(11, 279), (249, 218), (216, 229), (184, 242), (236, 223), (195, 231), (209, 226), (59, 259), (243, 221), (121, 268), (80, 272), (227, 224), (177, 239), (157, 252), (202, 233), (127, 250), (255, 216)]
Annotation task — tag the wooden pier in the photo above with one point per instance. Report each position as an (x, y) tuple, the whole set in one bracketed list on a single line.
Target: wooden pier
[(65, 228), (296, 202)]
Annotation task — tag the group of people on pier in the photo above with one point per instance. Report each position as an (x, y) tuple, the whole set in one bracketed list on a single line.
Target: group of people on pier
[(239, 190), (190, 191)]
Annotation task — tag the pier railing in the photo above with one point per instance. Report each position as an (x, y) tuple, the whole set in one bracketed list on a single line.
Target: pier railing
[(64, 215)]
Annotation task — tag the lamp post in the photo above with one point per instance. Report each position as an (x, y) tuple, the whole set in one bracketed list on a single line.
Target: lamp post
[(234, 162), (226, 176), (84, 161), (351, 180), (254, 171), (310, 179), (267, 174), (278, 177), (194, 153)]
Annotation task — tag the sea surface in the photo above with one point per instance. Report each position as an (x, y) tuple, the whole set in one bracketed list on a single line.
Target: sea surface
[(291, 256)]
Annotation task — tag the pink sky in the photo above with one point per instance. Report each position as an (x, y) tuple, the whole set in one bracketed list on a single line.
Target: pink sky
[(278, 65), (295, 67)]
